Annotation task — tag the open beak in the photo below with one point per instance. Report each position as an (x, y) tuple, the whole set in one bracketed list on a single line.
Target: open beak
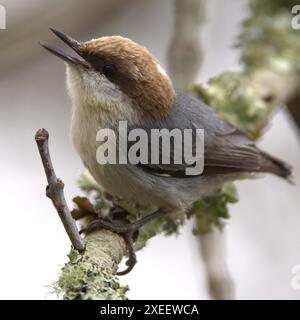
[(72, 43)]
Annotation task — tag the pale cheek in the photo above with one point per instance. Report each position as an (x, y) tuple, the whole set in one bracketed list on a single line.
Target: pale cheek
[(83, 87), (94, 92), (74, 82), (102, 91)]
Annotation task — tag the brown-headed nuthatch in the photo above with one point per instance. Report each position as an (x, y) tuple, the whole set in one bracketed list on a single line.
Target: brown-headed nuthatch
[(115, 79)]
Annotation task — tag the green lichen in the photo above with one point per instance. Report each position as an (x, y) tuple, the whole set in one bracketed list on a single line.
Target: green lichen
[(83, 279), (163, 225), (212, 210), (235, 100), (268, 37)]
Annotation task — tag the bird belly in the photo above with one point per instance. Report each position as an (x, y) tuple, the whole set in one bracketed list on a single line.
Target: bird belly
[(133, 184)]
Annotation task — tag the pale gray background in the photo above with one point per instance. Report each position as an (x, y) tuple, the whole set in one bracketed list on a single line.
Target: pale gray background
[(263, 240)]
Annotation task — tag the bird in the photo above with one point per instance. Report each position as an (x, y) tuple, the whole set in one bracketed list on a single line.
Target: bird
[(113, 79)]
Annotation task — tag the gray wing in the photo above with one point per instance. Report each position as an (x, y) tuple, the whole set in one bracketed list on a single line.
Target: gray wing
[(227, 149)]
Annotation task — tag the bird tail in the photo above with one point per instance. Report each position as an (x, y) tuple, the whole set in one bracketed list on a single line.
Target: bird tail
[(276, 166)]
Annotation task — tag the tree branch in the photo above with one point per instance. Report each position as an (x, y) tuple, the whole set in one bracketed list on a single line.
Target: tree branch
[(89, 274), (55, 191), (185, 53)]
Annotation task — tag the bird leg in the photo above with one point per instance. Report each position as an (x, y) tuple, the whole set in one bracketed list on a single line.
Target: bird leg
[(127, 230)]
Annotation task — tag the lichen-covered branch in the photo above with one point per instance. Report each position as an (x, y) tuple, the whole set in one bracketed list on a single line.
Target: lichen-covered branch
[(89, 274), (92, 273)]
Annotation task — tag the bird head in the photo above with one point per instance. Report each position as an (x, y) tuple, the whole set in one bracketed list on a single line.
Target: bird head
[(116, 77)]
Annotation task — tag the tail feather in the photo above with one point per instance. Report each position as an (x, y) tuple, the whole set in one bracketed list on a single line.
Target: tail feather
[(276, 166)]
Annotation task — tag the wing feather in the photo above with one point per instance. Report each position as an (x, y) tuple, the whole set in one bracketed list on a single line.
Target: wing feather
[(227, 149)]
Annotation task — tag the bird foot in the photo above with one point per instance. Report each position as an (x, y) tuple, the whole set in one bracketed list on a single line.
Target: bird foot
[(128, 230)]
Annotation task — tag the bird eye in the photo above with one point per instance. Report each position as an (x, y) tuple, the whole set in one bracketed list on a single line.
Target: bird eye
[(109, 70)]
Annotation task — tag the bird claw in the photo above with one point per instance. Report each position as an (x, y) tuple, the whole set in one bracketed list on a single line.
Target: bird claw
[(128, 230)]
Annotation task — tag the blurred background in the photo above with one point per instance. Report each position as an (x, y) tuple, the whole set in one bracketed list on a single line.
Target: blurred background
[(262, 236)]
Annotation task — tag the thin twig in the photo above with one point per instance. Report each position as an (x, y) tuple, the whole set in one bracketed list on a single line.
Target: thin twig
[(55, 191)]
